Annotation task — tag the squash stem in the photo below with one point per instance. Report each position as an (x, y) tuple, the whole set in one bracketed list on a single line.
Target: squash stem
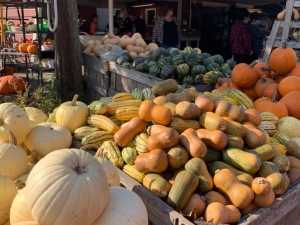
[(74, 100), (274, 96), (12, 140), (263, 79), (19, 184), (35, 156), (80, 169), (284, 44), (261, 181), (253, 63), (265, 68)]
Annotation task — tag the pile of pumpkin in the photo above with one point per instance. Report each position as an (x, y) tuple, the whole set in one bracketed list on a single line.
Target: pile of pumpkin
[(51, 181), (26, 47)]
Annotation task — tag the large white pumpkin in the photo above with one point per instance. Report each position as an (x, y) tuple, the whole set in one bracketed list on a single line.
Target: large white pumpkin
[(72, 114), (13, 160), (47, 137), (15, 119), (36, 116), (290, 126), (8, 192), (111, 171), (19, 212), (67, 186), (124, 207)]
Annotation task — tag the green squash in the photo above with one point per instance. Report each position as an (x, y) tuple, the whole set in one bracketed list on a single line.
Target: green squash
[(188, 79), (213, 67), (182, 70), (198, 79), (138, 60), (189, 49), (167, 72), (210, 78), (163, 61), (218, 59), (121, 60), (142, 67), (137, 94), (177, 59), (191, 59), (127, 56), (155, 69), (205, 55), (127, 64), (199, 69), (207, 61)]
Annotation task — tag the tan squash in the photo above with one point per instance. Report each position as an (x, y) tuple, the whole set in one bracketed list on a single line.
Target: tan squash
[(187, 110), (212, 121), (218, 213), (204, 103), (167, 138), (197, 203), (253, 116), (264, 194), (155, 161), (214, 196), (254, 137), (149, 111), (215, 139)]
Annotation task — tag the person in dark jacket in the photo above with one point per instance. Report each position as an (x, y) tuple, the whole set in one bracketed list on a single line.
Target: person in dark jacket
[(126, 25), (240, 38), (140, 25)]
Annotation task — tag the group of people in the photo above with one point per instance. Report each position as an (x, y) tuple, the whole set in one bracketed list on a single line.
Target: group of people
[(247, 36)]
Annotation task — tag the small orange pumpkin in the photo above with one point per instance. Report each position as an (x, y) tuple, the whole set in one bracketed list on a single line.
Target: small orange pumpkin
[(288, 84), (295, 71), (262, 69), (244, 75), (261, 84), (32, 48), (23, 47), (269, 91), (291, 101)]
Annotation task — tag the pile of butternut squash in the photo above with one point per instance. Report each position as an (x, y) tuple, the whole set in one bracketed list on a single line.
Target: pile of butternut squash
[(203, 155)]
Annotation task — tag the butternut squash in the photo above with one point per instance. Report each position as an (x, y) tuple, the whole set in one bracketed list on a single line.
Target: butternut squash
[(155, 161), (149, 111), (204, 103), (212, 121), (218, 213), (234, 128), (187, 110), (254, 137), (167, 138), (215, 139), (213, 196), (264, 195), (197, 203)]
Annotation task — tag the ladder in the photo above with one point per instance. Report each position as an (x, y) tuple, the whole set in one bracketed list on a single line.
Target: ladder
[(287, 23)]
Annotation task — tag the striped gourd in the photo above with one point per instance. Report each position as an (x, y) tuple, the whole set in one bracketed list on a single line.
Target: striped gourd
[(274, 140), (127, 113), (106, 99), (98, 107), (281, 137), (113, 106), (268, 116), (148, 94), (241, 98), (97, 138), (280, 148), (103, 122), (228, 99), (129, 155), (268, 126), (111, 151), (114, 119), (208, 94), (131, 171), (51, 117), (140, 143), (216, 93), (81, 132), (123, 96), (137, 94)]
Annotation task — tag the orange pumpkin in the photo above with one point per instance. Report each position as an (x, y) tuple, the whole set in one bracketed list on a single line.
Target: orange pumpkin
[(292, 103), (251, 92), (269, 91), (23, 47), (271, 105), (11, 84), (295, 71), (220, 82), (244, 76), (228, 85), (262, 69), (279, 78), (283, 59), (288, 84), (32, 49), (261, 85)]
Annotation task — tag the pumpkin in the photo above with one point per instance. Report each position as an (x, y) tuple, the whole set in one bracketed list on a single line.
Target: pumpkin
[(11, 84), (36, 116), (118, 212), (18, 211), (283, 59), (269, 91), (149, 111), (295, 71), (10, 156), (290, 126), (218, 213), (261, 84), (32, 48), (244, 76), (62, 178), (23, 47), (155, 161), (262, 69), (47, 137), (288, 84), (111, 171), (291, 101), (8, 193), (250, 92), (271, 105), (197, 203), (72, 114)]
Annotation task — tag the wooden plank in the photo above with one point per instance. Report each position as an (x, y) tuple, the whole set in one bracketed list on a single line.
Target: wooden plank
[(292, 44), (282, 205), (92, 86), (93, 62), (270, 41), (113, 80), (118, 82), (112, 92), (287, 20)]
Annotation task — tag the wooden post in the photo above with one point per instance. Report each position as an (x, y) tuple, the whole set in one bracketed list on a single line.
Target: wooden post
[(67, 51)]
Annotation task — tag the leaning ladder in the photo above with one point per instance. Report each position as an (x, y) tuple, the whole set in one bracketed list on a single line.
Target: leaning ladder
[(287, 24)]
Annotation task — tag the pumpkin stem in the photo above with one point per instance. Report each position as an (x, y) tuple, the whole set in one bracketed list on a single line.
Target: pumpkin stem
[(284, 44), (275, 77), (90, 147), (19, 184), (265, 68), (274, 96), (80, 169), (12, 140), (35, 156), (263, 79), (262, 181), (253, 63), (1, 122), (74, 100)]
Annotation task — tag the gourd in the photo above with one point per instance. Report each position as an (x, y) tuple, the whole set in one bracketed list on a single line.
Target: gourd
[(281, 15), (167, 138), (165, 87), (129, 155), (11, 84), (110, 150), (8, 193), (253, 137), (288, 84), (72, 114), (127, 133), (140, 143), (36, 116), (225, 214), (196, 203), (10, 156), (110, 170), (187, 110), (234, 141), (149, 111), (212, 121), (118, 212), (252, 116), (103, 123), (239, 194), (290, 126), (177, 157), (155, 161), (47, 137), (80, 171), (234, 128), (113, 106), (291, 102), (132, 48), (157, 185), (226, 109), (215, 139), (214, 196), (13, 118), (244, 76), (205, 104), (261, 84), (32, 48), (131, 171)]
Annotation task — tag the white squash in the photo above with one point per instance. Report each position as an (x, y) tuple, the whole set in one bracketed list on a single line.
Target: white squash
[(133, 54), (97, 42), (104, 38), (96, 49), (8, 192), (136, 36), (88, 50), (111, 35), (48, 137), (124, 207), (140, 43), (23, 178), (124, 41), (13, 159), (152, 46), (147, 53), (90, 43), (72, 114), (19, 212), (67, 182), (15, 119), (111, 41), (136, 49), (290, 126), (35, 115), (111, 171)]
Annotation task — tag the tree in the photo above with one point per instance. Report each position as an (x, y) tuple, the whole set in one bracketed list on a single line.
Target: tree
[(67, 56)]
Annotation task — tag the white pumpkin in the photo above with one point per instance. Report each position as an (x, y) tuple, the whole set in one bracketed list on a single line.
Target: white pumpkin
[(124, 207), (111, 171), (8, 192), (35, 115), (47, 137), (67, 186), (290, 126), (13, 159), (15, 119), (19, 212), (72, 114)]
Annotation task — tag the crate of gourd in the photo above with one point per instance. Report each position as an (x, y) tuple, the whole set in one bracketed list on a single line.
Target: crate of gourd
[(205, 156)]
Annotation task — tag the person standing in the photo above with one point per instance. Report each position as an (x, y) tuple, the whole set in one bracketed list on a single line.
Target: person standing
[(240, 38), (94, 24), (167, 31), (140, 25), (117, 20), (126, 24)]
